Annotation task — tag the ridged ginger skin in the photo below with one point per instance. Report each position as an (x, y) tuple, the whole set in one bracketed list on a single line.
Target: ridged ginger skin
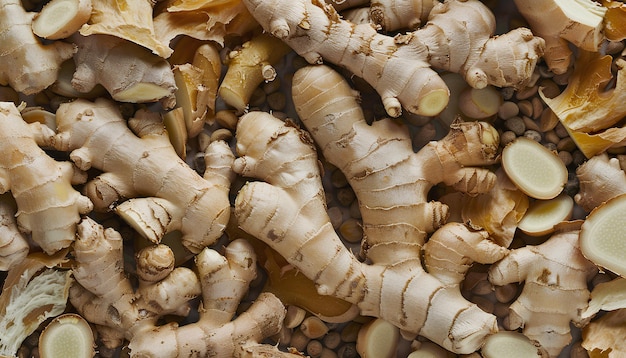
[(146, 170), (393, 15), (560, 22), (33, 66), (600, 178), (129, 72), (553, 272), (457, 38), (106, 298), (287, 211), (48, 206), (396, 212), (13, 244)]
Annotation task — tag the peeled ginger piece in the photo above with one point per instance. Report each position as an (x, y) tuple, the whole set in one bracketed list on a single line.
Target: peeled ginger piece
[(534, 169), (603, 235), (543, 215)]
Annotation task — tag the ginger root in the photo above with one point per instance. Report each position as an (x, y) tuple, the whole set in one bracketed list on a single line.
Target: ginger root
[(106, 298), (457, 38), (561, 22), (34, 66), (287, 211), (146, 170), (600, 179), (553, 272), (393, 207), (250, 66), (129, 72), (48, 206)]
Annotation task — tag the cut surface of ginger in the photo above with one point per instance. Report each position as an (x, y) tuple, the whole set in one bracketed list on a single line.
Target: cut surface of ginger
[(543, 215), (60, 18), (534, 169), (68, 335), (510, 344), (603, 235)]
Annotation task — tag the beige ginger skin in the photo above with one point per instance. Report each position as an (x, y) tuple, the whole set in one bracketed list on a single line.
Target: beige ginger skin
[(105, 296), (39, 64), (48, 207), (287, 211), (555, 275), (146, 170), (457, 38)]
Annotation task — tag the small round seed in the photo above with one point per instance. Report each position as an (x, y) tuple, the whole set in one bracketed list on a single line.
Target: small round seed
[(313, 327), (516, 125), (508, 109)]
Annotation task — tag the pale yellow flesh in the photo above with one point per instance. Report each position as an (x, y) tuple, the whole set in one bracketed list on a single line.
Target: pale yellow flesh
[(509, 344), (543, 215), (534, 169), (67, 336), (603, 235)]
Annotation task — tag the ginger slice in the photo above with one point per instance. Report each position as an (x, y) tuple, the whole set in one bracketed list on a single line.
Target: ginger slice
[(378, 338), (534, 169), (60, 18), (603, 235), (511, 344), (68, 335), (543, 215)]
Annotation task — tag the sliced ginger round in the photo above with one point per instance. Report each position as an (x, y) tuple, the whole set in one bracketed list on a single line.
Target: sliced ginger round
[(68, 335), (378, 338), (534, 169), (603, 235), (543, 215), (510, 344), (60, 18)]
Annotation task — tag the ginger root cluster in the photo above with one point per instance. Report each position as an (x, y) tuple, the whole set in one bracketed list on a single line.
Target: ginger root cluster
[(179, 174)]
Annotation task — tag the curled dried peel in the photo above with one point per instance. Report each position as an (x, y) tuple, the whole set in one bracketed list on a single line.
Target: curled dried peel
[(603, 235), (589, 111), (203, 20), (534, 169), (129, 20), (604, 337)]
